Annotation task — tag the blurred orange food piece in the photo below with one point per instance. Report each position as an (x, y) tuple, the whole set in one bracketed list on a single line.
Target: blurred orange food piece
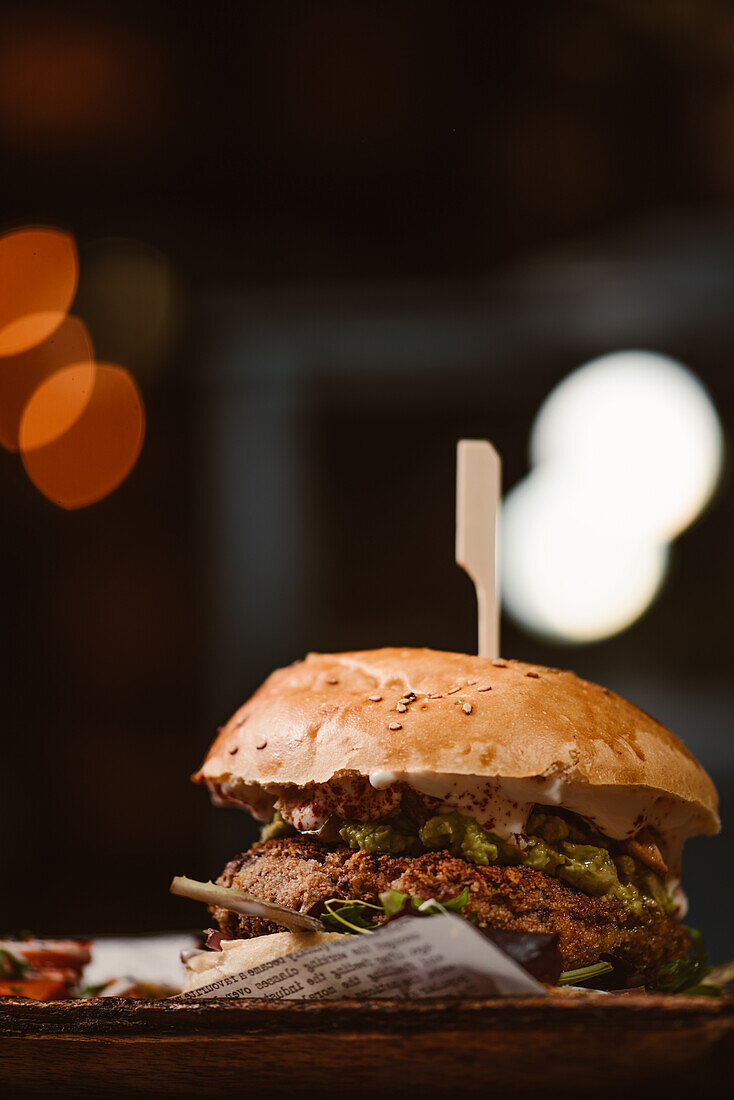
[(44, 988), (42, 970)]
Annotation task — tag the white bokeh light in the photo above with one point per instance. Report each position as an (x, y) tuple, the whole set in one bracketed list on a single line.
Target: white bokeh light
[(627, 451), (562, 575), (643, 431)]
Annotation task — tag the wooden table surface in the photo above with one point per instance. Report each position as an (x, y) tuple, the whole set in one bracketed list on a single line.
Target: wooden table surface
[(635, 1045)]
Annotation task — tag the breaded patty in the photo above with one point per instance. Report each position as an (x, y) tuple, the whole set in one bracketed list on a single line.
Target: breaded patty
[(299, 872)]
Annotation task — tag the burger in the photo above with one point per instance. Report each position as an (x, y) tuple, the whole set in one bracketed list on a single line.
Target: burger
[(522, 797)]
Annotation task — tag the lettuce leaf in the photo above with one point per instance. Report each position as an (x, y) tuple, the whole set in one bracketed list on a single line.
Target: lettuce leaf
[(688, 975), (357, 917)]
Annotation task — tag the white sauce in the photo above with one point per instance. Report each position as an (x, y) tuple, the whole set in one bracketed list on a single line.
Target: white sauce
[(504, 805), (671, 847)]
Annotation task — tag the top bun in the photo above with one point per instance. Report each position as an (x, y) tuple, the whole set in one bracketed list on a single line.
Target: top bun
[(342, 713)]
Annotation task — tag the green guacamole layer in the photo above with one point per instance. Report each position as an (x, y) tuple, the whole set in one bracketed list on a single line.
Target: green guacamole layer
[(277, 826), (557, 845)]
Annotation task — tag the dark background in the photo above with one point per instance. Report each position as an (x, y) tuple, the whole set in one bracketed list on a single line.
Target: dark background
[(388, 226)]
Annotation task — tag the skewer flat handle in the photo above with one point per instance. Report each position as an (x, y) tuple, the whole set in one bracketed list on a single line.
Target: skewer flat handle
[(478, 490)]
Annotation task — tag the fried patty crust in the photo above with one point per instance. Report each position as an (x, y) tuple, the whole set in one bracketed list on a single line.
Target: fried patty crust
[(300, 873)]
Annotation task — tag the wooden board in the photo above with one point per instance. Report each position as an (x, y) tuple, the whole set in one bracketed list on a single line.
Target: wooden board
[(505, 1047)]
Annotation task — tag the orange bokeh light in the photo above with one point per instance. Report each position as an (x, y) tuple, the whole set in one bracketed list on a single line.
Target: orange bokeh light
[(102, 421), (21, 375), (39, 271)]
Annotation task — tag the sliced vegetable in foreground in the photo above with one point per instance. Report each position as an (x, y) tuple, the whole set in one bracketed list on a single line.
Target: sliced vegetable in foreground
[(585, 973)]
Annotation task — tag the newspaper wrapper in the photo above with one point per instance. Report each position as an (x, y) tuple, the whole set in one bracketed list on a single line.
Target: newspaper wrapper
[(440, 956)]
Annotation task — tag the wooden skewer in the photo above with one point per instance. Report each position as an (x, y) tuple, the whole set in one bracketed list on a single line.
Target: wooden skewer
[(478, 490)]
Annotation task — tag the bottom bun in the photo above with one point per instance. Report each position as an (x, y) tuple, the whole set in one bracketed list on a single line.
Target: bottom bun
[(238, 955)]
